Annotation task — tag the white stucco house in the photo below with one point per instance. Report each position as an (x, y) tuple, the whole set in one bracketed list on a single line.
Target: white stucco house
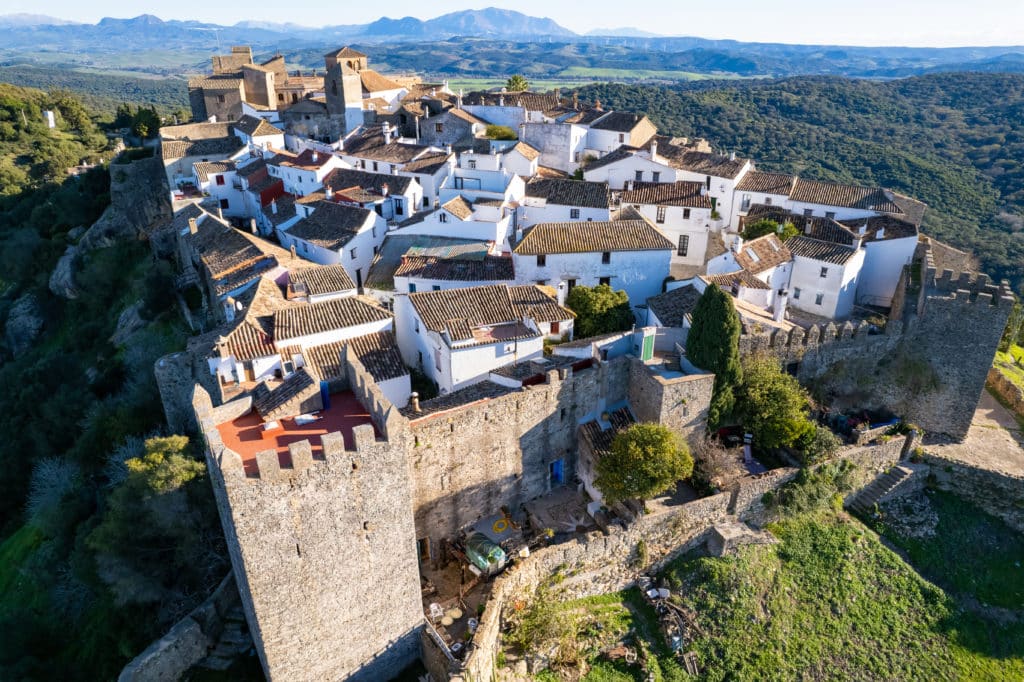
[(628, 255), (681, 210), (458, 336), (824, 276), (766, 258), (758, 188), (334, 234), (460, 218), (257, 133), (562, 200), (393, 197), (303, 173)]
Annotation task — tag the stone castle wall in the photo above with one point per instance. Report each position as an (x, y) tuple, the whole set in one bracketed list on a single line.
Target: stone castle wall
[(1000, 494), (1010, 392), (324, 552), (468, 462), (679, 403)]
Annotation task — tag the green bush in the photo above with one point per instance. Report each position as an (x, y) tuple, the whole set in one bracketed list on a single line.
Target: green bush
[(817, 444)]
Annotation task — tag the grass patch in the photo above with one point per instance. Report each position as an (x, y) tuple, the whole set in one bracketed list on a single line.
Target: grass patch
[(970, 553), (1007, 365), (831, 602)]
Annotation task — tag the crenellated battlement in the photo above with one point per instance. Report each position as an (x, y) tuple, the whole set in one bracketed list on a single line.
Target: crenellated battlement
[(793, 344), (965, 287)]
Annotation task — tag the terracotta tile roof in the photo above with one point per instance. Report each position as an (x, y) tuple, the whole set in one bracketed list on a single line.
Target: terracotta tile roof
[(567, 192), (475, 393), (428, 164), (326, 279), (389, 256), (256, 127), (257, 166), (315, 318), (229, 258), (285, 205), (880, 228), (466, 116), (591, 236), (538, 303), (491, 268), (374, 82), (846, 196), (459, 311), (531, 101), (812, 226), (379, 354), (913, 210), (717, 165), (828, 230), (343, 178), (249, 340), (526, 150), (686, 194), (768, 183), (740, 277), (370, 145), (204, 169), (618, 121), (266, 401), (176, 149), (460, 207), (763, 253), (324, 361), (674, 307), (599, 439), (308, 159), (623, 152), (346, 53), (196, 131), (331, 225), (815, 249), (217, 83)]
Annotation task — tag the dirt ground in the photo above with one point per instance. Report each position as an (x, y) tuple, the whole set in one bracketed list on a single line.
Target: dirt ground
[(993, 442)]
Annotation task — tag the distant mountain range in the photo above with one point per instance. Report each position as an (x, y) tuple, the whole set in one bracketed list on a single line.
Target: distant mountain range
[(453, 44)]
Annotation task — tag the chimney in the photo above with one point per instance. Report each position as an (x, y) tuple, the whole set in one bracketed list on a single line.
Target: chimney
[(193, 226), (405, 258), (779, 306), (576, 101), (563, 289), (654, 149), (220, 212), (501, 101), (315, 156), (629, 185), (880, 234), (328, 192), (414, 400), (252, 225), (386, 129), (737, 244), (732, 156), (863, 229), (292, 249), (273, 206), (384, 189), (448, 149)]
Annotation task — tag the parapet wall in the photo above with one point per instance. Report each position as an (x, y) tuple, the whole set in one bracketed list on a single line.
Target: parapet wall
[(998, 493), (324, 552), (1010, 392), (365, 389), (680, 403)]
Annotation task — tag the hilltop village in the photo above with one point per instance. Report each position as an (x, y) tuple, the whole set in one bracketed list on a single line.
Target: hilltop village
[(390, 383)]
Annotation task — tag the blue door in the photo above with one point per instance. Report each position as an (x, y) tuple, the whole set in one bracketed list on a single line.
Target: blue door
[(557, 471), (325, 395)]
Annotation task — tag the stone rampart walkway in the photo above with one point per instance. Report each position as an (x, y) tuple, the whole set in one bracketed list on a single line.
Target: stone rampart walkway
[(993, 442)]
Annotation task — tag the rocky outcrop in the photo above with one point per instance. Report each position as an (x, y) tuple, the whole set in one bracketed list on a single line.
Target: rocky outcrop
[(62, 280), (24, 322), (128, 322), (139, 201)]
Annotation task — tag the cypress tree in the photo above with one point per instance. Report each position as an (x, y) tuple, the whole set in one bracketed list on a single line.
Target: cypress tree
[(713, 345)]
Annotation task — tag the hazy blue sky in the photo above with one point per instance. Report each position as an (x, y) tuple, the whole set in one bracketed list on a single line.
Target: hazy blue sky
[(867, 22)]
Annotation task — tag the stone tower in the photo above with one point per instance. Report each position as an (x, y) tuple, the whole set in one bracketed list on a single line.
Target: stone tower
[(323, 549), (342, 84)]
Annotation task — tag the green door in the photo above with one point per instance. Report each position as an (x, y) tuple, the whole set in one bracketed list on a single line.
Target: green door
[(648, 348)]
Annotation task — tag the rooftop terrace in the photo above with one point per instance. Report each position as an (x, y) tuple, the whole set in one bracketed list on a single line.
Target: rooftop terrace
[(246, 436)]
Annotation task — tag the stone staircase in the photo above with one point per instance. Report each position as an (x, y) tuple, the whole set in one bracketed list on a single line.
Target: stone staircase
[(234, 642), (864, 501)]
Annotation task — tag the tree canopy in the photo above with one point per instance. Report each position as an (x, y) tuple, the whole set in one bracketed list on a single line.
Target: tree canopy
[(599, 310), (644, 460), (712, 344), (495, 132), (773, 406), (765, 226), (517, 83)]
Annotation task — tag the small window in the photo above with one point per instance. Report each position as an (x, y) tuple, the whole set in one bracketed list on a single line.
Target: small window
[(542, 260), (767, 201), (220, 98), (438, 127), (607, 281), (661, 214), (223, 203), (796, 293), (280, 97), (442, 218), (423, 548), (622, 137), (752, 255), (606, 257), (656, 176), (684, 245), (824, 272), (472, 164), (574, 214), (219, 179), (437, 359), (436, 287), (554, 327), (374, 166), (686, 214), (305, 247), (639, 176), (818, 299), (831, 215), (412, 290), (415, 320), (352, 254), (808, 212), (398, 208)]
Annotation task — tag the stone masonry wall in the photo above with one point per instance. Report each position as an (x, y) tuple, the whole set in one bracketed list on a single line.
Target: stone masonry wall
[(1011, 394), (680, 403), (324, 553), (999, 494), (468, 463)]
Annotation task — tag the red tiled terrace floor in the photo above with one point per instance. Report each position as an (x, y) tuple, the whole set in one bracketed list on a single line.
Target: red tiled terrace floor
[(245, 434)]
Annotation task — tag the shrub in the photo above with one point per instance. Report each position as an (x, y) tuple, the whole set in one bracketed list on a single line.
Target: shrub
[(644, 460), (818, 443)]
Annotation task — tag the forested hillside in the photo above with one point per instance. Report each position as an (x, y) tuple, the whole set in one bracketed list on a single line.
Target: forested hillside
[(955, 141), (105, 538)]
